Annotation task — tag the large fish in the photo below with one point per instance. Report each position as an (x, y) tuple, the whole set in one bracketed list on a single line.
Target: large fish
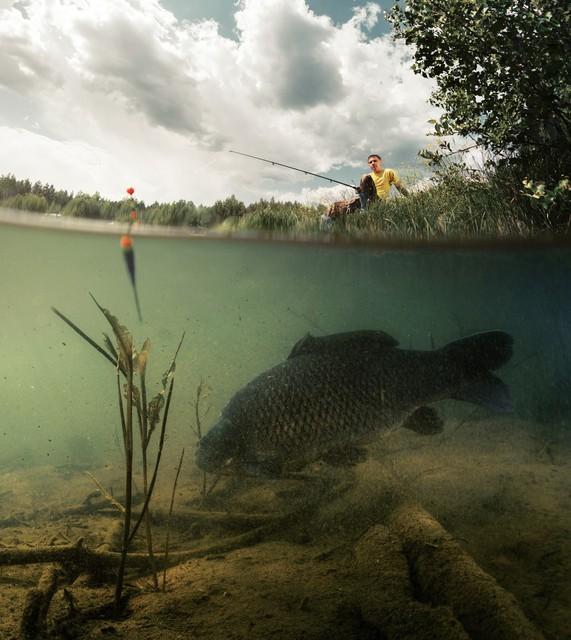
[(335, 393)]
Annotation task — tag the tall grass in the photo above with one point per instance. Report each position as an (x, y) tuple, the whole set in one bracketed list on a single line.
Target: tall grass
[(454, 204), (282, 217)]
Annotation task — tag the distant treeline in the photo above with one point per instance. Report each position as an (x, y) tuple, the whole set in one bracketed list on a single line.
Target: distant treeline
[(45, 198)]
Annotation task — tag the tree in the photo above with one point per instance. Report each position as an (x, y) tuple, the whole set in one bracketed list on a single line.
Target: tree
[(229, 208), (502, 69), (27, 202), (83, 206)]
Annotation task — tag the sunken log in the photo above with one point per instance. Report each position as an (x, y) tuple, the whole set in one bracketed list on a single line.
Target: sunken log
[(37, 603), (447, 575), (388, 601)]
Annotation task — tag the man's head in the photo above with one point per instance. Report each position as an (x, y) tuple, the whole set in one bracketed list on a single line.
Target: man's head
[(375, 162)]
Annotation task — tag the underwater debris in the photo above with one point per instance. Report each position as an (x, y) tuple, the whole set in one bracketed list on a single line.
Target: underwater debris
[(35, 612), (382, 565), (334, 393), (447, 575)]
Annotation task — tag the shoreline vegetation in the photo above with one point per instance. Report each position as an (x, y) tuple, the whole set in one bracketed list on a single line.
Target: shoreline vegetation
[(456, 202)]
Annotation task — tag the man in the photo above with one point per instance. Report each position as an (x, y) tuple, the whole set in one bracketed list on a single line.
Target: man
[(377, 184), (374, 186)]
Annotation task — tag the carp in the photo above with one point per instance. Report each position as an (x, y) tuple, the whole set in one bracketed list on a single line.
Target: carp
[(334, 394)]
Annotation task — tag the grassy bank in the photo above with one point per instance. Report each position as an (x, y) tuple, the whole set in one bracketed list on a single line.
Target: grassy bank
[(456, 203)]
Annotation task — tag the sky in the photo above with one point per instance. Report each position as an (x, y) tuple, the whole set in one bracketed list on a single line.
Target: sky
[(98, 95)]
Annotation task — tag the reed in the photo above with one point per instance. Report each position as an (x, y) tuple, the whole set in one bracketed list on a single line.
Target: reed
[(171, 506), (202, 393), (132, 390)]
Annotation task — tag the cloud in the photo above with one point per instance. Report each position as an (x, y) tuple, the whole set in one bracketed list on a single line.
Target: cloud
[(287, 53), (126, 84), (142, 63), (24, 65)]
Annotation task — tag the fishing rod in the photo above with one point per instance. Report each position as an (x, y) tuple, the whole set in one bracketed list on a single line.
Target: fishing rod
[(287, 166)]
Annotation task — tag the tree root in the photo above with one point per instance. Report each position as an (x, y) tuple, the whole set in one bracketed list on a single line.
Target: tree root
[(34, 615), (90, 560), (186, 517), (446, 575), (389, 601)]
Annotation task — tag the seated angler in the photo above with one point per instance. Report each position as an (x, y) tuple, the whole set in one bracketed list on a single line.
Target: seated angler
[(377, 184), (374, 186)]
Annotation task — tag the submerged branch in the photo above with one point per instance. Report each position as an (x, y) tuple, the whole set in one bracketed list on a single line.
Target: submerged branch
[(35, 612), (105, 493)]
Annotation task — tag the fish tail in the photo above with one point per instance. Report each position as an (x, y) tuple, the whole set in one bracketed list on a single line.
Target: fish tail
[(476, 356), (482, 351)]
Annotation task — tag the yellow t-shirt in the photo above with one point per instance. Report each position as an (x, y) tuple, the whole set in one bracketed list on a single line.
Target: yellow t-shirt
[(383, 181)]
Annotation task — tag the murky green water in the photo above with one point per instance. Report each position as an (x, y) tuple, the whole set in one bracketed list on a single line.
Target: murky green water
[(243, 305)]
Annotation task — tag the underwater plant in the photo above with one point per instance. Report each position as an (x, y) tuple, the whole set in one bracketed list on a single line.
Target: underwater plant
[(131, 364)]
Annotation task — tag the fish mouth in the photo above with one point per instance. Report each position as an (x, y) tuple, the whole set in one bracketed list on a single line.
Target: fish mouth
[(209, 461), (217, 449)]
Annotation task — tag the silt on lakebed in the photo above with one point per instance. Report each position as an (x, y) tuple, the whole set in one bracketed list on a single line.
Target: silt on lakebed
[(487, 497)]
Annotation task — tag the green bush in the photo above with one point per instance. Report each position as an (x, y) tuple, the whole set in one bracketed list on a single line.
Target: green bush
[(229, 208), (83, 206), (269, 215), (177, 213), (27, 202)]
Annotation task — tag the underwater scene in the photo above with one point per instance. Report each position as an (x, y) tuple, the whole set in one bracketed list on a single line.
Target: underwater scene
[(282, 440)]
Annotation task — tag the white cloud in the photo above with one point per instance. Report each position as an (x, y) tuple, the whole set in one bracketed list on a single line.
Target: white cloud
[(286, 52), (101, 93)]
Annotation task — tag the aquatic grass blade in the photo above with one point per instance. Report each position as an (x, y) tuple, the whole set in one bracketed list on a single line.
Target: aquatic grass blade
[(89, 340), (110, 346)]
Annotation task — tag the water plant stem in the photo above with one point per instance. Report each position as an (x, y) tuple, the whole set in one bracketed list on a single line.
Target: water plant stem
[(127, 424), (169, 520), (157, 462)]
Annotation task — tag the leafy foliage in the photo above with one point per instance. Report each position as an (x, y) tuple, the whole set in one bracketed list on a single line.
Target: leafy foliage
[(83, 206), (11, 187), (27, 202), (229, 208), (503, 72), (269, 215), (502, 67)]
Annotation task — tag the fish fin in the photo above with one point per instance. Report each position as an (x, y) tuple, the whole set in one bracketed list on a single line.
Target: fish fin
[(482, 351), (301, 346), (425, 420), (349, 342), (487, 391), (345, 456)]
